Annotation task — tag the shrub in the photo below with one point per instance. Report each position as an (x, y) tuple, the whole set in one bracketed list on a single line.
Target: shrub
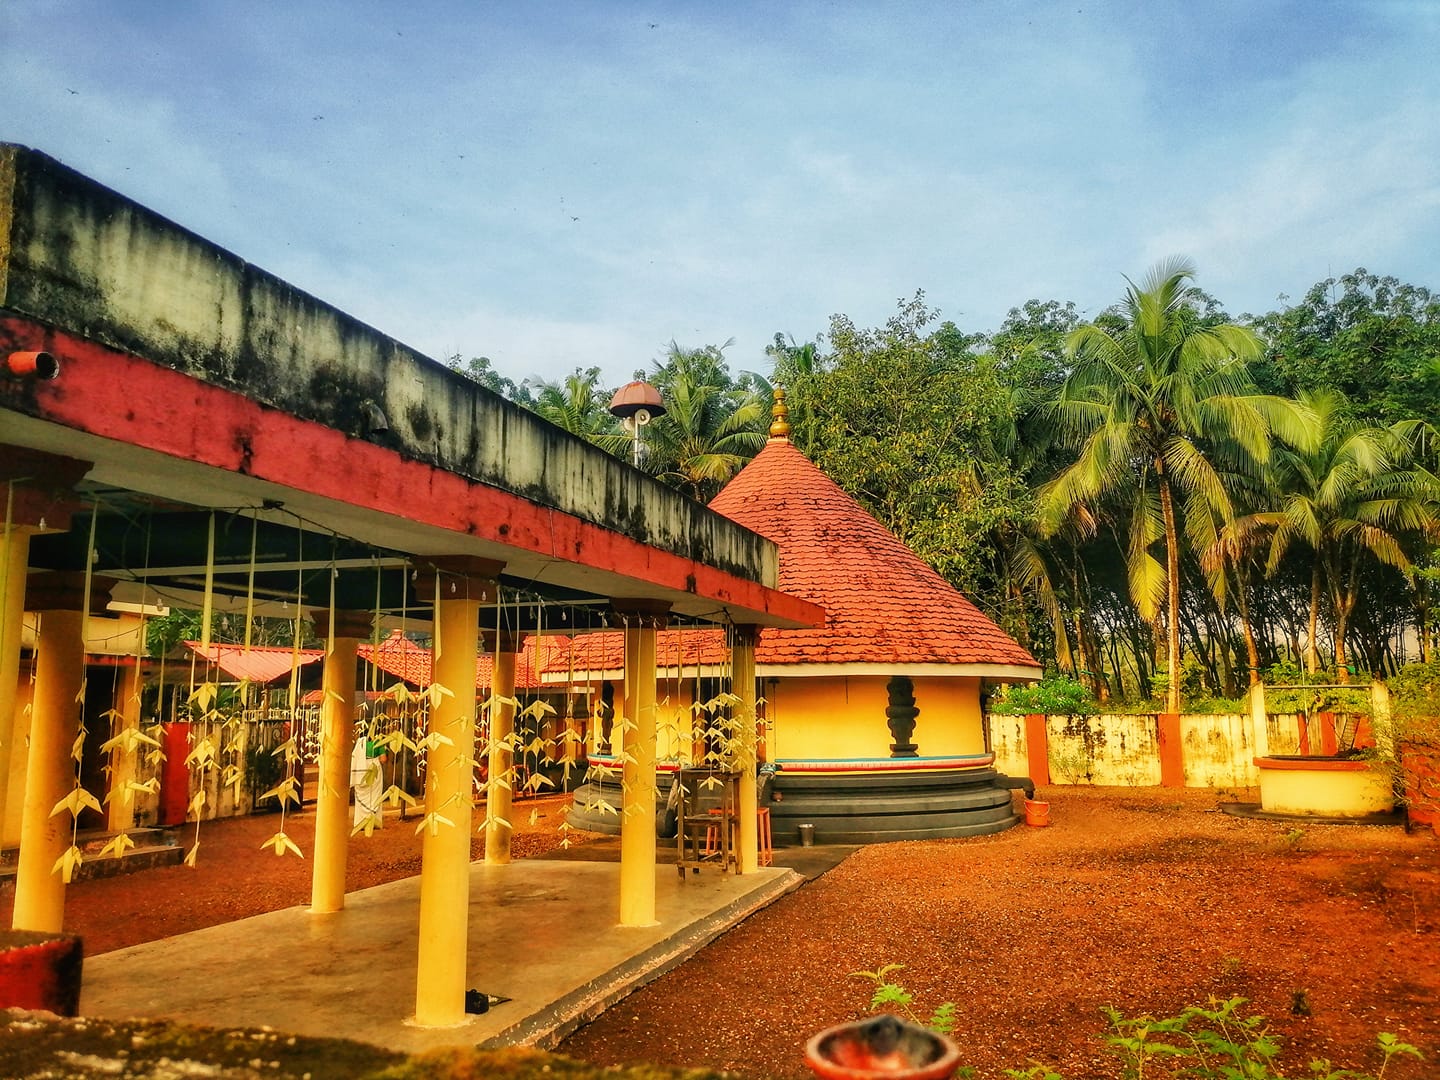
[(1057, 695)]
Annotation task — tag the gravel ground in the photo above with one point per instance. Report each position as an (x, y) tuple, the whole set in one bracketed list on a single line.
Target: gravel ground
[(1144, 899)]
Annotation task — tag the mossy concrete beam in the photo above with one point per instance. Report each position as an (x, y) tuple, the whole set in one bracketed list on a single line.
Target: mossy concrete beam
[(76, 255)]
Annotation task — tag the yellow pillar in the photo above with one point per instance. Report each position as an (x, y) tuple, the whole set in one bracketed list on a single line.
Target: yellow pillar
[(449, 794), (337, 740), (637, 816), (14, 561), (54, 723), (500, 788), (742, 654), (121, 815)]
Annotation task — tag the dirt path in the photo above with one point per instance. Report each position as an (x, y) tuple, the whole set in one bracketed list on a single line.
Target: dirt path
[(1148, 900)]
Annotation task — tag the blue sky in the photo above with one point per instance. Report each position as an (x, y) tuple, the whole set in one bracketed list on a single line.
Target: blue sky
[(556, 184)]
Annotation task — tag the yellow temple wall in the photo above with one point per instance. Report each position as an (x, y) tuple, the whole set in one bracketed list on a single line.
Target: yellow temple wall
[(845, 717), (674, 724)]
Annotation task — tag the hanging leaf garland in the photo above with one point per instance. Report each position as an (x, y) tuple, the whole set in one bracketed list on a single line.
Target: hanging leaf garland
[(79, 799)]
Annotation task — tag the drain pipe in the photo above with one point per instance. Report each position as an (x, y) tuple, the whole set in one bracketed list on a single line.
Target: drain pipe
[(32, 365)]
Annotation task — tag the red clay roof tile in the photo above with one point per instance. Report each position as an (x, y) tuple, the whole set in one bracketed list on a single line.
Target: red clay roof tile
[(883, 603)]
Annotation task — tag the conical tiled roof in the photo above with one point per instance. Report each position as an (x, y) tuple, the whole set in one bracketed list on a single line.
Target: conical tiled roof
[(883, 604)]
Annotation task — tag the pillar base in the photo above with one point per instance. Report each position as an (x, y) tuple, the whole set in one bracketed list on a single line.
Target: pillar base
[(40, 971)]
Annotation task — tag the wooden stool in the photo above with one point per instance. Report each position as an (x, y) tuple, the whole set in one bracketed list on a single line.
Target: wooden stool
[(767, 853)]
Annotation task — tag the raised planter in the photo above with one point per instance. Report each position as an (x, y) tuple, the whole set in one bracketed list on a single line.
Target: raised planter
[(1336, 788)]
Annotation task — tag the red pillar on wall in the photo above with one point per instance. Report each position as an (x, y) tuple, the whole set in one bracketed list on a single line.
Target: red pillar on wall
[(1172, 757), (1037, 748), (174, 774)]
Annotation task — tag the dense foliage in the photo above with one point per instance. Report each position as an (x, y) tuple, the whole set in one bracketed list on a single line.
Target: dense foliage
[(1163, 488)]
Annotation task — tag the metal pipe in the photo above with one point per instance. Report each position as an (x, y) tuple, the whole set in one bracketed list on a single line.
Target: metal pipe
[(32, 365)]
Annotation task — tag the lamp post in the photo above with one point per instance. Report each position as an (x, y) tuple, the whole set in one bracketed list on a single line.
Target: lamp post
[(636, 404)]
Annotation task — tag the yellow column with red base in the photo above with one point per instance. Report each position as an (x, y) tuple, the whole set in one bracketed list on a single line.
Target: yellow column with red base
[(337, 740), (449, 794), (14, 563), (54, 724), (742, 654), (500, 788), (637, 815)]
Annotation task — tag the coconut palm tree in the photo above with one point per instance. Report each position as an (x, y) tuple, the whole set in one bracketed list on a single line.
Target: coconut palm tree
[(1154, 398), (580, 405), (712, 425), (706, 435), (1347, 498)]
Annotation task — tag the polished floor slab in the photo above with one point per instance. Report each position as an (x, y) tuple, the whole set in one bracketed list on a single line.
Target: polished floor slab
[(542, 933)]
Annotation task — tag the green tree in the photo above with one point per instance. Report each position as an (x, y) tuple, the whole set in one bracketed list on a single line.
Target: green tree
[(910, 421), (1373, 339), (1152, 400), (581, 406), (481, 369), (1347, 498), (713, 423)]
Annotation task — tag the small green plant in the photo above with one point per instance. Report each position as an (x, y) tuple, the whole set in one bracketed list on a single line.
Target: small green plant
[(1217, 1042), (890, 996)]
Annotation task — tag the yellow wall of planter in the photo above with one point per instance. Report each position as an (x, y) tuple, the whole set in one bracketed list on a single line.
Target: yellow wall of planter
[(1326, 790), (845, 717)]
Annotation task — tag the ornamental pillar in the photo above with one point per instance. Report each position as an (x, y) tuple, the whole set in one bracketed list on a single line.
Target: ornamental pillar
[(337, 741), (58, 598), (642, 621), (742, 660), (36, 496), (500, 787), (457, 589)]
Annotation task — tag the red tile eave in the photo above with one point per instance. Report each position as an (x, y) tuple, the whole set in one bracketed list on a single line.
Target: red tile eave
[(197, 421)]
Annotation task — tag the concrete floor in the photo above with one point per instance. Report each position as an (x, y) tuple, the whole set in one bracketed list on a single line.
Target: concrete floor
[(542, 933)]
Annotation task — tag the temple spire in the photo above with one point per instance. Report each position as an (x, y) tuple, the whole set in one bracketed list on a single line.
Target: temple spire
[(780, 417)]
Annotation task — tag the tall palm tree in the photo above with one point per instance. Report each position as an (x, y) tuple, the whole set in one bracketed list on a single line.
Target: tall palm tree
[(706, 435), (1350, 496), (713, 424), (1153, 397), (580, 405)]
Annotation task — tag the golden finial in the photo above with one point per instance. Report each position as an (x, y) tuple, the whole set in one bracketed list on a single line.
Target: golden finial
[(780, 424)]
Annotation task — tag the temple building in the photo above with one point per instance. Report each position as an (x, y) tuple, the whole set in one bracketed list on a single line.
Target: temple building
[(872, 721)]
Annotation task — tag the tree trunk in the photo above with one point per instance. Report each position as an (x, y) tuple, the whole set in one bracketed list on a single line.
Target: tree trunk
[(1312, 651), (1172, 592), (1252, 653)]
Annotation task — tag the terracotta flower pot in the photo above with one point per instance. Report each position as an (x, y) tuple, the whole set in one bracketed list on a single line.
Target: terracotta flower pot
[(884, 1046)]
